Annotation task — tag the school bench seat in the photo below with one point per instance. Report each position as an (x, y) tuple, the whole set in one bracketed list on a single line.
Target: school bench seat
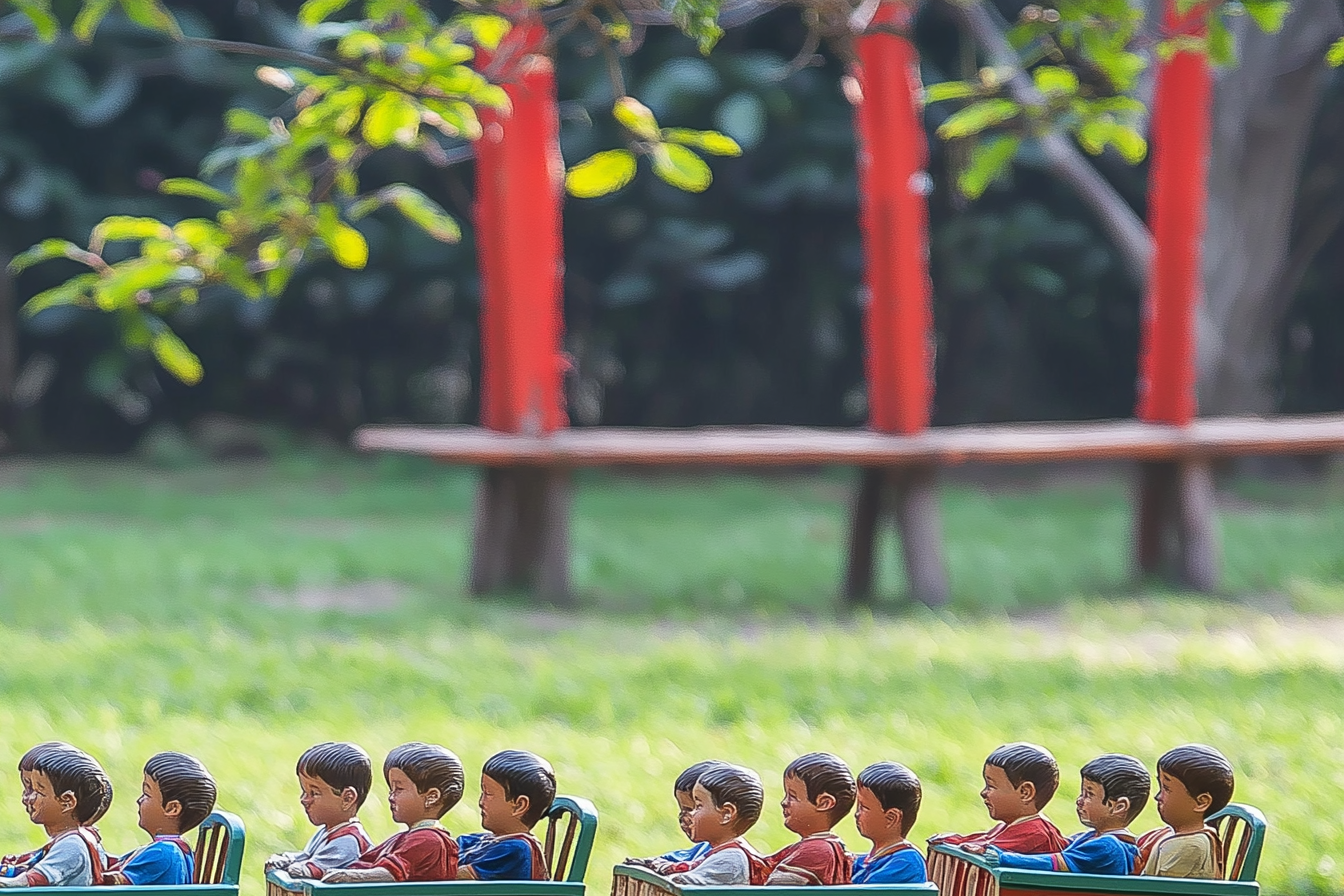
[(521, 527), (571, 825), (1241, 832), (627, 880)]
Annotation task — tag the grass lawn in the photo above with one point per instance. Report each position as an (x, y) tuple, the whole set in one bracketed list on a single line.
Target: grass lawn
[(244, 613)]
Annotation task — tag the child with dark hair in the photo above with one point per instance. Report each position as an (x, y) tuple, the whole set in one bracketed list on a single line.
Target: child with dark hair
[(65, 790), (887, 804), (726, 802), (517, 789), (1193, 782), (176, 795), (17, 864), (334, 780), (1114, 790), (818, 792), (424, 781), (680, 859), (1020, 780)]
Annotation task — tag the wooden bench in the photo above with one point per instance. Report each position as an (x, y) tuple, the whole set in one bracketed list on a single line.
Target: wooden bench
[(1241, 831), (521, 535), (571, 825), (628, 880)]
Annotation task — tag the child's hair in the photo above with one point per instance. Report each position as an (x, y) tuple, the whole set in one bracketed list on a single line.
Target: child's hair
[(73, 771), (1202, 769), (521, 773), (896, 787), (686, 780), (727, 783), (1028, 762), (183, 778), (339, 765), (825, 773), (429, 766), (1121, 776), (28, 762)]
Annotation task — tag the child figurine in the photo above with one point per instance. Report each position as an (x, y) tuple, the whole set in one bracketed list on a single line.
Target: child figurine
[(1193, 782), (818, 792), (726, 802), (16, 864), (1020, 779), (424, 781), (517, 789), (1114, 790), (886, 806), (176, 795), (65, 790), (334, 780), (681, 859)]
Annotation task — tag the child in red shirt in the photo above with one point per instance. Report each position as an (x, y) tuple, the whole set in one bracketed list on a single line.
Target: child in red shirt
[(818, 792), (424, 781), (1019, 780)]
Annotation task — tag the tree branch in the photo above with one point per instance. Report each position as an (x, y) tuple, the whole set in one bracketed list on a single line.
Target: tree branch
[(1120, 222)]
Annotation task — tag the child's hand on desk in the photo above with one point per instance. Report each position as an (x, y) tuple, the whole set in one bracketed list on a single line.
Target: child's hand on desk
[(991, 856), (298, 870), (976, 848)]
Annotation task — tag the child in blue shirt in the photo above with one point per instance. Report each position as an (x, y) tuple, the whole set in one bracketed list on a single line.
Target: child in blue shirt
[(886, 805), (334, 780), (1115, 789), (176, 795), (517, 789), (681, 859)]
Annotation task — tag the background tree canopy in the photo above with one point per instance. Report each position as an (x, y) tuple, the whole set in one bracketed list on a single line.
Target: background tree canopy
[(738, 304)]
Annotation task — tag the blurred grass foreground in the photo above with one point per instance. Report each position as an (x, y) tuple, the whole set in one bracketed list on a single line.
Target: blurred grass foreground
[(243, 612)]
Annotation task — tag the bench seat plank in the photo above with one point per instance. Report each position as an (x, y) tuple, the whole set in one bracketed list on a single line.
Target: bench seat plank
[(946, 446)]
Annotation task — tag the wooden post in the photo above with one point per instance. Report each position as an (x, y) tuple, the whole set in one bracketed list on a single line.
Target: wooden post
[(1174, 530), (519, 190), (898, 322)]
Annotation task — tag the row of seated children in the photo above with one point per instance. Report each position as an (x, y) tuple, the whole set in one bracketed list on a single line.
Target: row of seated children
[(719, 802), (66, 791), (424, 781)]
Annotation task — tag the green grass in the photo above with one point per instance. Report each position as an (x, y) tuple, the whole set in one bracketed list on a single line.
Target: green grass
[(135, 618)]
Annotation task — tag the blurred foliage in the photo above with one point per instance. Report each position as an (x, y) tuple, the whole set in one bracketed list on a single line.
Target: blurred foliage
[(738, 304)]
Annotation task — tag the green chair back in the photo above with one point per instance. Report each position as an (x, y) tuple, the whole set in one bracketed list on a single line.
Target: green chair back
[(1241, 831), (578, 818), (219, 849)]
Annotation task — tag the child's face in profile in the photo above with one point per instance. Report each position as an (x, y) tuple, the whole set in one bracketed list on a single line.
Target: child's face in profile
[(497, 810), (685, 805), (801, 815), (43, 807), (874, 822), (1002, 799), (28, 792), (1095, 811), (323, 804), (1176, 806), (710, 823), (153, 815), (407, 803)]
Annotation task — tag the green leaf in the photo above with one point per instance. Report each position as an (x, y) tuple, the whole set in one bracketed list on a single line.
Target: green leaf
[(70, 292), (987, 161), (636, 118), (90, 17), (976, 117), (123, 227), (711, 142), (391, 118), (1051, 79), (152, 15), (950, 90), (314, 11), (1222, 47), (681, 167), (698, 19), (600, 174), (347, 244), (1268, 14), (247, 123), (485, 30), (1129, 143), (44, 251), (418, 208), (120, 288), (39, 13), (175, 357), (186, 186), (1335, 56), (359, 45)]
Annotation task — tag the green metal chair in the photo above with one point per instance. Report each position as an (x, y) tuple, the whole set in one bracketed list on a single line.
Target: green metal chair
[(1245, 827), (219, 849)]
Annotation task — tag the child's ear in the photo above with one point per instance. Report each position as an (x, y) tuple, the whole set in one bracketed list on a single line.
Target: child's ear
[(825, 802), (432, 796), (1027, 792), (172, 808), (895, 819), (1203, 802), (728, 811), (1120, 806), (67, 801), (521, 805), (349, 796)]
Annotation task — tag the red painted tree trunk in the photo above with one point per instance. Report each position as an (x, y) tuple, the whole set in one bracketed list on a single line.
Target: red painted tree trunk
[(898, 319), (519, 190), (1177, 194)]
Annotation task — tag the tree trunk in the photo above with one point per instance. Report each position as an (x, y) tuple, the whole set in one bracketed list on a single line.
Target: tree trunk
[(1263, 114)]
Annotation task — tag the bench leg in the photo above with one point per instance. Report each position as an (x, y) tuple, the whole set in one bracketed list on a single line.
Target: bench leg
[(521, 534), (912, 496), (1175, 531)]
